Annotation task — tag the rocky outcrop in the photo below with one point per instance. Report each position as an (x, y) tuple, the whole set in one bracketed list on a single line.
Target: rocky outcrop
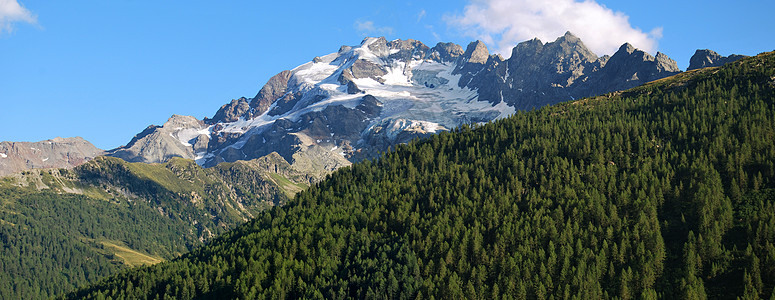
[(180, 136), (54, 153), (346, 79), (233, 111), (445, 52), (248, 108), (365, 69), (406, 50), (704, 58)]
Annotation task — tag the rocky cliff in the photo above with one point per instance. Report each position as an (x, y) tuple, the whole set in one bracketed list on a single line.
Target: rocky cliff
[(180, 136)]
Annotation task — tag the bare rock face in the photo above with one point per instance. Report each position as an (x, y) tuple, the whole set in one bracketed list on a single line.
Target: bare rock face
[(406, 50), (473, 59), (346, 79), (365, 69), (248, 108), (54, 153), (704, 58), (272, 90), (233, 111), (445, 52), (178, 137)]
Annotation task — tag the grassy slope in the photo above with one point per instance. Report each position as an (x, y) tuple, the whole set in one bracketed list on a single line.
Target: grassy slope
[(130, 257)]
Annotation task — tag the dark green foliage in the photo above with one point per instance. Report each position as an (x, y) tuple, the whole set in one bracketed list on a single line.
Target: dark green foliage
[(51, 240), (664, 191)]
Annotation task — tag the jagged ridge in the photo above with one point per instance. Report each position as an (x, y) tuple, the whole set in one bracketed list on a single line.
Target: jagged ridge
[(361, 100)]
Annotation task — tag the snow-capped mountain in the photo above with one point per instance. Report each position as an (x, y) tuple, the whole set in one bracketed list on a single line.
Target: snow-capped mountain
[(360, 100)]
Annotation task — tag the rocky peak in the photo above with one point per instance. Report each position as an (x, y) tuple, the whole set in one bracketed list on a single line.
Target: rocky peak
[(628, 68), (232, 111), (535, 66), (445, 52), (180, 136), (476, 53), (568, 36), (176, 121), (568, 46), (473, 60), (627, 55), (378, 46), (625, 48), (407, 50), (704, 58), (527, 49), (665, 63), (269, 93), (344, 49), (600, 63), (409, 44)]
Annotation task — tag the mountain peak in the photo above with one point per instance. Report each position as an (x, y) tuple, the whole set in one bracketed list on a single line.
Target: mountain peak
[(704, 58), (378, 46), (569, 45), (527, 48), (569, 37), (75, 139), (476, 52), (626, 47), (445, 52), (665, 63)]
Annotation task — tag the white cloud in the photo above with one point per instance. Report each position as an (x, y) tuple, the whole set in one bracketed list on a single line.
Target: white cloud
[(504, 23), (368, 28), (433, 33), (10, 12), (421, 15)]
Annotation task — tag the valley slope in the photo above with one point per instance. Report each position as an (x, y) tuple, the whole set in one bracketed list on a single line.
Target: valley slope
[(61, 228)]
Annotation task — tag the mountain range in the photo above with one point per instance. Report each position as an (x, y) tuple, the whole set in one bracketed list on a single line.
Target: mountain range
[(357, 102), (362, 100)]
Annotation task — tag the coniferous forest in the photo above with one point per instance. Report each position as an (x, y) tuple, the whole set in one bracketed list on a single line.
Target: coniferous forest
[(61, 229), (663, 191)]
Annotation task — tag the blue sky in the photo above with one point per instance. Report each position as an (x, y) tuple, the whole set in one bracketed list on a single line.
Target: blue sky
[(104, 70)]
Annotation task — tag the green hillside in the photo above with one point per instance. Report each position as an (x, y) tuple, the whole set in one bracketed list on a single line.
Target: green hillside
[(663, 191), (60, 229)]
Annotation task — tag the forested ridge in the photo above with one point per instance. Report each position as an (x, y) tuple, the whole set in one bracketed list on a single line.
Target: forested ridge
[(663, 191), (61, 229)]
